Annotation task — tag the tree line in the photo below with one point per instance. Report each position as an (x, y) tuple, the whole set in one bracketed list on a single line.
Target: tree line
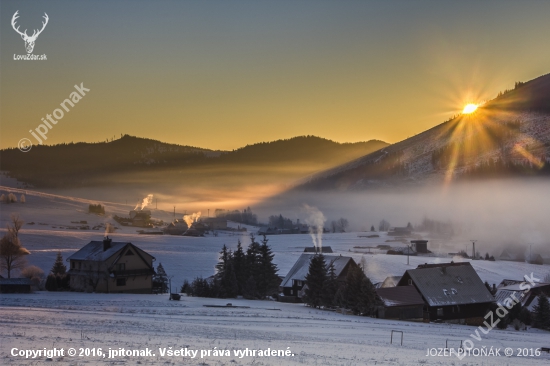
[(251, 273)]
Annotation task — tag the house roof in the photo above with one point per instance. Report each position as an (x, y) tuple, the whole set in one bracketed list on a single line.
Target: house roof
[(301, 268), (449, 285), (514, 289), (15, 281), (400, 296), (324, 249), (93, 251)]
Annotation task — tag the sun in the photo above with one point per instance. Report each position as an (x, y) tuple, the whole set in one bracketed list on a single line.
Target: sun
[(469, 108)]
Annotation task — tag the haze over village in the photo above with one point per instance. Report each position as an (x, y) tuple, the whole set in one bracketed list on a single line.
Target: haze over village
[(275, 184)]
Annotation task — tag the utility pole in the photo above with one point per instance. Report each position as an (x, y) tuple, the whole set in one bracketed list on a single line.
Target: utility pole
[(174, 213), (473, 248)]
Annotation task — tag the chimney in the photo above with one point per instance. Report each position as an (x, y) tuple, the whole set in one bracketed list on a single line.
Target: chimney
[(494, 289), (106, 243)]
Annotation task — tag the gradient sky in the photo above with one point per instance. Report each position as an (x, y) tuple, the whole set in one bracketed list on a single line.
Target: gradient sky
[(223, 74)]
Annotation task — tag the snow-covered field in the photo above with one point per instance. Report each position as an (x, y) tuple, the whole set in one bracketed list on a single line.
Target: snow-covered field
[(314, 337), (42, 319), (189, 257)]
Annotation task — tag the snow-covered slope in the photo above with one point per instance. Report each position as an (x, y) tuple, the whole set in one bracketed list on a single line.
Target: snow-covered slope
[(509, 130)]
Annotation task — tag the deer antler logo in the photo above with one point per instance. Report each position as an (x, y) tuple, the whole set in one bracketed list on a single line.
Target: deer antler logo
[(29, 41)]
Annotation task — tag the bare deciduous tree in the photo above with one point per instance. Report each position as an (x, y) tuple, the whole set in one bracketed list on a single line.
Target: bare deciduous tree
[(12, 254), (16, 224)]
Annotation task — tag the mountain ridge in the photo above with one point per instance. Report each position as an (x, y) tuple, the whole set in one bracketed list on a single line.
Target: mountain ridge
[(78, 164), (508, 135)]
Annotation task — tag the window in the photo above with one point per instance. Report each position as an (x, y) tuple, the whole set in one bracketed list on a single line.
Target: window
[(454, 291), (410, 282), (439, 311), (459, 279), (121, 266), (121, 281), (73, 265), (129, 252), (445, 291)]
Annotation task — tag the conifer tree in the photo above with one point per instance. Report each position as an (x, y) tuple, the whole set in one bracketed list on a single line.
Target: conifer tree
[(315, 281), (224, 259), (330, 287), (267, 276), (252, 261), (228, 282), (51, 283), (160, 279), (542, 313), (59, 267), (239, 266)]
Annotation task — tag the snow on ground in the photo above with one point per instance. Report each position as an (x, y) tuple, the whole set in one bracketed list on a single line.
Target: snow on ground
[(189, 257), (315, 337), (32, 321)]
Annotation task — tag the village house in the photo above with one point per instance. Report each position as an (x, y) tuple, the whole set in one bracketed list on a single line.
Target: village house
[(176, 227), (508, 255), (451, 291), (215, 223), (516, 290), (294, 282), (112, 267)]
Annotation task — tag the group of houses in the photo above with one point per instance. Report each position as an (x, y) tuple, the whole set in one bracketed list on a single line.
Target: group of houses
[(431, 292), (198, 228), (295, 228)]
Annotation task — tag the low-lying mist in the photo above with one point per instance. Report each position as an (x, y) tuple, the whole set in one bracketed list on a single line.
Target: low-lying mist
[(497, 213)]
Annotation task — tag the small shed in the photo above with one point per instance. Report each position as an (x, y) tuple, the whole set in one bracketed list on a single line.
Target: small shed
[(420, 246), (15, 285)]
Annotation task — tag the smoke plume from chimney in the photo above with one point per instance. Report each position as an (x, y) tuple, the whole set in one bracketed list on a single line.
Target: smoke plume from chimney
[(190, 219), (316, 222), (146, 201)]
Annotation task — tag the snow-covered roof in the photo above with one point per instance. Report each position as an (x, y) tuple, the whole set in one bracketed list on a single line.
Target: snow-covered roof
[(400, 296), (93, 251), (15, 281), (301, 268), (449, 285), (518, 291)]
